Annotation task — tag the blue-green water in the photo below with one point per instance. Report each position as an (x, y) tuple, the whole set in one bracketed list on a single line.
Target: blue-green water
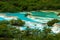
[(46, 15), (43, 16), (2, 18), (21, 15)]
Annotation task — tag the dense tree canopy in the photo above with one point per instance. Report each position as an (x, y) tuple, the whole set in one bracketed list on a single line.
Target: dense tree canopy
[(28, 5)]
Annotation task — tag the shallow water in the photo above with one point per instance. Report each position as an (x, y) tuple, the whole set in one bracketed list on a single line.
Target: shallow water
[(41, 17), (38, 14), (46, 14)]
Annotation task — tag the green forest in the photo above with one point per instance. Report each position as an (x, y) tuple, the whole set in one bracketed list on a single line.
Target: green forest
[(28, 5)]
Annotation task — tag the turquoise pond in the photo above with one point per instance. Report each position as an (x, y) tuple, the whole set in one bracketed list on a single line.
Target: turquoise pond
[(46, 14), (21, 15), (43, 16)]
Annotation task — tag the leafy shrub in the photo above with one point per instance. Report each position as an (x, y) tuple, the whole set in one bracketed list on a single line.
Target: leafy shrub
[(17, 22), (50, 23)]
